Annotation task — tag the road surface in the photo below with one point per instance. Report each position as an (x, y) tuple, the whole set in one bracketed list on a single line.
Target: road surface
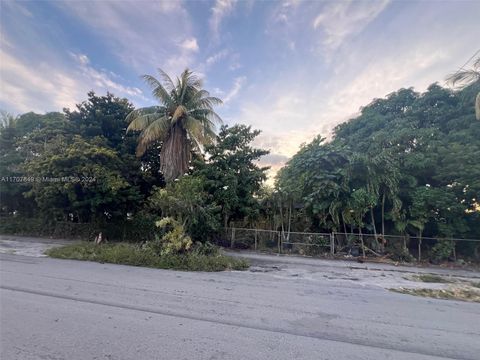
[(63, 309)]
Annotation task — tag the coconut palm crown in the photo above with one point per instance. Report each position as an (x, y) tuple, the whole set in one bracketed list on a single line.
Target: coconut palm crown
[(184, 121), (468, 77)]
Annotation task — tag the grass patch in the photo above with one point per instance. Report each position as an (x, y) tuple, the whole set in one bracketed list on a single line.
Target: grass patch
[(462, 294), (475, 284), (130, 254), (430, 278)]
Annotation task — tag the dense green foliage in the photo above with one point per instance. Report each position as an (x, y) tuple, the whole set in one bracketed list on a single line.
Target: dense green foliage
[(135, 255), (408, 164), (77, 166), (75, 174)]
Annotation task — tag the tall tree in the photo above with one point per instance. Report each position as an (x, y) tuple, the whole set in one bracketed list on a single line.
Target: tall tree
[(233, 177), (184, 121)]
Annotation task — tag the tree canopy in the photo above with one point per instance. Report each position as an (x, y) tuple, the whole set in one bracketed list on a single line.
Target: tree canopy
[(407, 163)]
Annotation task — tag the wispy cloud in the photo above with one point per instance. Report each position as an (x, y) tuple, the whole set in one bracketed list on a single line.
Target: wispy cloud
[(222, 54), (102, 79), (40, 88), (144, 37), (220, 10), (18, 8), (237, 86), (342, 19)]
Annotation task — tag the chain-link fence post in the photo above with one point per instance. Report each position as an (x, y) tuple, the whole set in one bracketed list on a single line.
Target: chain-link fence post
[(279, 242)]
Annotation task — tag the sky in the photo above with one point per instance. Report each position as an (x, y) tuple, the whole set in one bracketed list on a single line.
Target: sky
[(293, 69)]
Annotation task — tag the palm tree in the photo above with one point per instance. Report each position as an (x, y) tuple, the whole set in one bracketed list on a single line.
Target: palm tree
[(468, 77), (184, 121)]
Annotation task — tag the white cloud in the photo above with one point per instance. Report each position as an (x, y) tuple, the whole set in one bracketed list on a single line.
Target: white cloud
[(220, 10), (342, 19), (222, 54), (237, 86), (102, 80), (145, 36), (40, 88), (291, 113), (190, 44), (51, 87)]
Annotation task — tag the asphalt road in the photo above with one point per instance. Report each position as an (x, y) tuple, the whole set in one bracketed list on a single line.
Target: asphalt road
[(61, 309)]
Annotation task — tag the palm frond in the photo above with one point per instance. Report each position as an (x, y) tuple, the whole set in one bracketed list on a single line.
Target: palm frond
[(209, 115), (157, 130), (158, 90), (183, 103), (167, 80), (476, 64), (143, 121), (464, 77), (145, 111)]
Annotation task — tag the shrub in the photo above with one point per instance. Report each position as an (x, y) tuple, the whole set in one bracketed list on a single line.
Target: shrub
[(132, 254), (442, 250), (398, 252), (172, 239)]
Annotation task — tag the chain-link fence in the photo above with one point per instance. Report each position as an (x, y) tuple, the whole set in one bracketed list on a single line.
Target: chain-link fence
[(397, 247)]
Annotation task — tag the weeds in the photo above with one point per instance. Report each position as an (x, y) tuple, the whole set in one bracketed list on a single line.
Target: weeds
[(430, 278), (462, 294), (130, 254)]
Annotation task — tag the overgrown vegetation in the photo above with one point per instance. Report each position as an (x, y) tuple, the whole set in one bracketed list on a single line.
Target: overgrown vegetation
[(199, 259), (407, 166), (431, 278), (462, 294)]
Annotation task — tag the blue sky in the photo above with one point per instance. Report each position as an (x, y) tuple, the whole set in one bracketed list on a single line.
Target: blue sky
[(293, 69)]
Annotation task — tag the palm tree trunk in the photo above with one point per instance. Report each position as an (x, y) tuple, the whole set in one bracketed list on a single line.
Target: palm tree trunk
[(175, 154)]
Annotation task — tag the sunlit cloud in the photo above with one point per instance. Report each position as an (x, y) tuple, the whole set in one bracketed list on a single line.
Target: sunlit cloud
[(190, 44)]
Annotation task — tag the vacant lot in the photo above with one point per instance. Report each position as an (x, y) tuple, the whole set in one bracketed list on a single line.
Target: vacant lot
[(280, 309)]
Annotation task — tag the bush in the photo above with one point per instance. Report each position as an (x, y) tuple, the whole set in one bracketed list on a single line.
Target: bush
[(398, 252), (442, 250), (187, 201), (16, 225), (136, 255), (172, 239), (207, 249)]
